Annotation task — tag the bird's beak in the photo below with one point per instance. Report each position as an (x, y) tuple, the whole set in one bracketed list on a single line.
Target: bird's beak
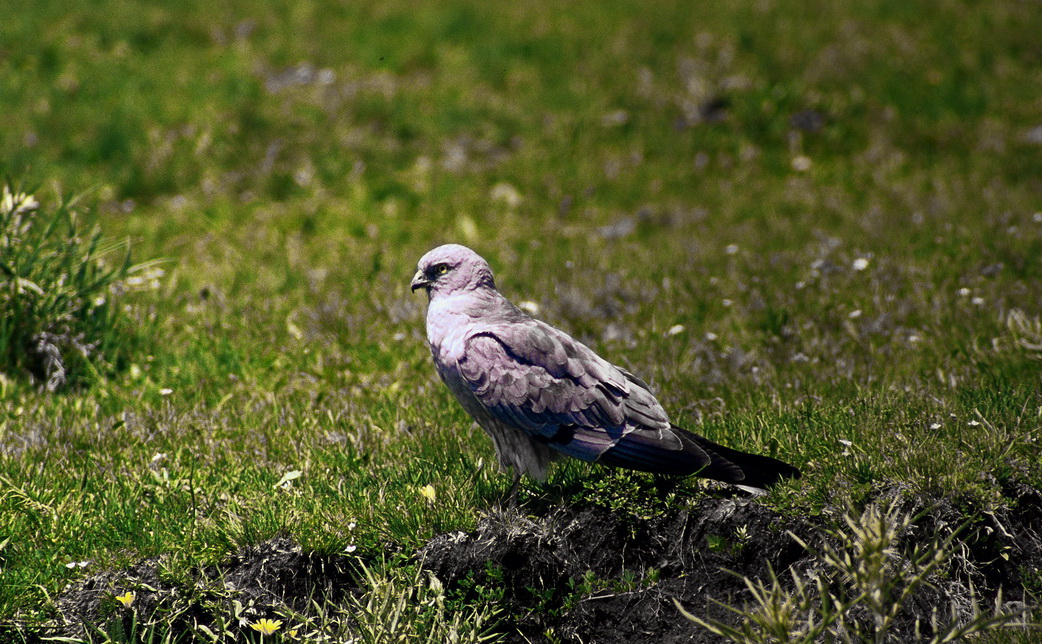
[(419, 280)]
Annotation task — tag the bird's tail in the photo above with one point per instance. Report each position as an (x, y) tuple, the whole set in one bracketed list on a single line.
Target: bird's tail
[(732, 466)]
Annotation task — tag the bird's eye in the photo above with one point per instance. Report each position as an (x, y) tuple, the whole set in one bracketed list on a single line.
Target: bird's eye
[(441, 269)]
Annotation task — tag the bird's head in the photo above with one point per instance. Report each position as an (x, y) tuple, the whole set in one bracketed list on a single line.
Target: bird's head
[(450, 269)]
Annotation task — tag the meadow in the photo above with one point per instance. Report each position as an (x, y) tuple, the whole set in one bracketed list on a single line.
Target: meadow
[(815, 229)]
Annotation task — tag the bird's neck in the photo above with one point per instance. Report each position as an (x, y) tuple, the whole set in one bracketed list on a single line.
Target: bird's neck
[(453, 314)]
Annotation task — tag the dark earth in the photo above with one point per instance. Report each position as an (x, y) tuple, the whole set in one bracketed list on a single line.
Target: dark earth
[(592, 574)]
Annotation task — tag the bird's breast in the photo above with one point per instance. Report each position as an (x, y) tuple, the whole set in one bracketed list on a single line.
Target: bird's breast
[(447, 325)]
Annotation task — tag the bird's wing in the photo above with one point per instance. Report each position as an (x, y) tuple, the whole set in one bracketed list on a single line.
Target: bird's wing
[(538, 379)]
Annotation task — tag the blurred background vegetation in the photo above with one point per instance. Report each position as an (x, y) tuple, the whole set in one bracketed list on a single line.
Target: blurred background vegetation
[(816, 228)]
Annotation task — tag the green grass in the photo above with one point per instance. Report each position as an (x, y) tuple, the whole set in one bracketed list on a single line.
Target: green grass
[(569, 148), (61, 291)]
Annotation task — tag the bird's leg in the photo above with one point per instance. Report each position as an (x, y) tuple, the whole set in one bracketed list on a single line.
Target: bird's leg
[(511, 496)]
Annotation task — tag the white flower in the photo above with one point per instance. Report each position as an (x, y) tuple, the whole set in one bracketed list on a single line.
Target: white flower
[(506, 194), (351, 548), (935, 426), (846, 444), (856, 313), (529, 307), (17, 202), (675, 329), (731, 249), (286, 482), (801, 163), (860, 264)]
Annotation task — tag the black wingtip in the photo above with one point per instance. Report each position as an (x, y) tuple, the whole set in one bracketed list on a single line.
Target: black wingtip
[(693, 455), (756, 470)]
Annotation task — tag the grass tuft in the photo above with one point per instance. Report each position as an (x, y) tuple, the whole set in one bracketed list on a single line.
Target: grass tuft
[(61, 282), (861, 587), (1026, 331), (410, 606)]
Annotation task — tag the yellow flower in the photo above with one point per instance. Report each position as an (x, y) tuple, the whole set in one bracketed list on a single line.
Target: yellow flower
[(427, 492), (266, 626), (127, 599)]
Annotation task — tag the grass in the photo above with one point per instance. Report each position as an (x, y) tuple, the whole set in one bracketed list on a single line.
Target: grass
[(803, 225), (866, 573), (61, 292)]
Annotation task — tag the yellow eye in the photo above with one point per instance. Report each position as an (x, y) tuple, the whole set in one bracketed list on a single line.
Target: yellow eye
[(441, 269)]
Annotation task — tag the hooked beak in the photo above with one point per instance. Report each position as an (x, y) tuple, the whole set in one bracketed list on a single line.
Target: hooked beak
[(419, 280)]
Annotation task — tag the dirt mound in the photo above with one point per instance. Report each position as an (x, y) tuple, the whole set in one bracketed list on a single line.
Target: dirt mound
[(273, 574), (591, 575), (583, 574)]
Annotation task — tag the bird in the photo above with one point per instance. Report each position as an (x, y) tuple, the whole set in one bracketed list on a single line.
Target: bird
[(542, 395)]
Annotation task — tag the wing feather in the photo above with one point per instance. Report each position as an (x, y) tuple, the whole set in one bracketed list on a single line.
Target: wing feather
[(538, 379)]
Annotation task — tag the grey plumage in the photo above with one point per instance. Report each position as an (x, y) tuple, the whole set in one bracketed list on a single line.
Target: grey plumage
[(540, 394)]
